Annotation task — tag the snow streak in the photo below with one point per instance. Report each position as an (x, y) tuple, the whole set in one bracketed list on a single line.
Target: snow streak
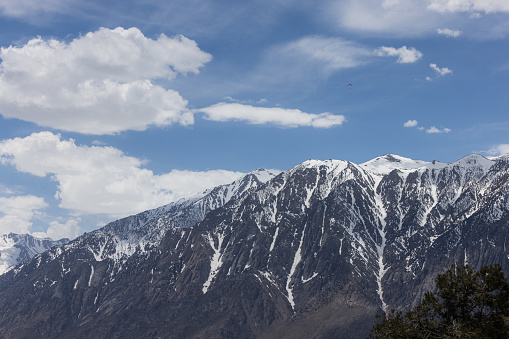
[(215, 262), (296, 261), (91, 276), (380, 248)]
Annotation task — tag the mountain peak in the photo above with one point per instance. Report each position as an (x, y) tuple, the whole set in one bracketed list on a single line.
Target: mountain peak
[(387, 163), (317, 163), (264, 175), (474, 159)]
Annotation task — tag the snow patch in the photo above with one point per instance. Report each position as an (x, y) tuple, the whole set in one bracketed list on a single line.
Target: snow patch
[(91, 276), (274, 239), (309, 279), (380, 248), (216, 260), (296, 260), (389, 162)]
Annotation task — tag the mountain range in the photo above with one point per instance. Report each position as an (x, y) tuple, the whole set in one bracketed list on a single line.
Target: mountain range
[(313, 252), (18, 248)]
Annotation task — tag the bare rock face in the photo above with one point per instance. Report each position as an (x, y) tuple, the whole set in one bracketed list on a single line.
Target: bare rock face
[(315, 252)]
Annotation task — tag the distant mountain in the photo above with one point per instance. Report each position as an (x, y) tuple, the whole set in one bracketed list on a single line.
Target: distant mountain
[(18, 248), (315, 252)]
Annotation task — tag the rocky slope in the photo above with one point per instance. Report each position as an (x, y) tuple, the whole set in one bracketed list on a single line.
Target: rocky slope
[(315, 252)]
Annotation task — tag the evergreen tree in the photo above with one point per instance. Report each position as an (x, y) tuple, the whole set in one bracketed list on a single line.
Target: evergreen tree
[(467, 304)]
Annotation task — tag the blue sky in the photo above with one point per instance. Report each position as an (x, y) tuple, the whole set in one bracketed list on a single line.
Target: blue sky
[(109, 108)]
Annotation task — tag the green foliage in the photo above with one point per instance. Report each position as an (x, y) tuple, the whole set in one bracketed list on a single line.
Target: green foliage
[(467, 304)]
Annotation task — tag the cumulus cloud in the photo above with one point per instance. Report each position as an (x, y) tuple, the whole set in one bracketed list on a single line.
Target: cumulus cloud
[(99, 83), (405, 55), (59, 229), (16, 213), (274, 115), (435, 130), (440, 71), (411, 123), (450, 33), (98, 179), (485, 6)]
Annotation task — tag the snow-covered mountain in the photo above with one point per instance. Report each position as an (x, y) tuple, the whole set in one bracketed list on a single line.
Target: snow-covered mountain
[(142, 233), (120, 239), (18, 248), (316, 251)]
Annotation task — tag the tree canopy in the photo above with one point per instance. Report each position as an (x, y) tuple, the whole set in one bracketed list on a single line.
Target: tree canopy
[(466, 304)]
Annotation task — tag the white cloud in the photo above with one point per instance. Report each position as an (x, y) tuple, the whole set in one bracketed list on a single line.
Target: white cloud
[(18, 212), (249, 101), (100, 83), (435, 130), (21, 8), (411, 18), (499, 149), (270, 115), (57, 230), (450, 33), (93, 180), (319, 54), (396, 17), (405, 55), (440, 71), (334, 53), (485, 6), (430, 130)]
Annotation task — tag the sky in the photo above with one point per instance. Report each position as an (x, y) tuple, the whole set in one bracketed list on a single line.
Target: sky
[(109, 108)]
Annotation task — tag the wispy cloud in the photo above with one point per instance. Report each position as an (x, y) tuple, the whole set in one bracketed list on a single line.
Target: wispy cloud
[(24, 8), (403, 18), (498, 149), (405, 55), (320, 54), (100, 83), (484, 6), (250, 101), (270, 115), (409, 18), (450, 33)]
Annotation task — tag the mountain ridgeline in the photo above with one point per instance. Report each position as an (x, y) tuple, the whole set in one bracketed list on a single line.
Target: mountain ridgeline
[(313, 252)]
